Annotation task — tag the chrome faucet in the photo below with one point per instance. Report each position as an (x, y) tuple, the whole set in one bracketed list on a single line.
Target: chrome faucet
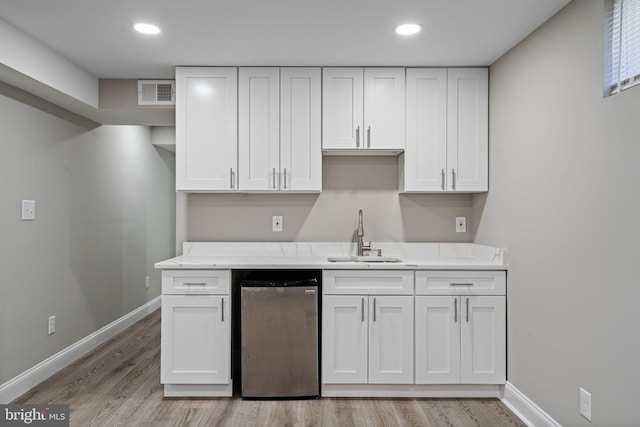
[(362, 248)]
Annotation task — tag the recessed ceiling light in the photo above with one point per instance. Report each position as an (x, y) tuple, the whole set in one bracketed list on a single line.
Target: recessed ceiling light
[(408, 29), (144, 28)]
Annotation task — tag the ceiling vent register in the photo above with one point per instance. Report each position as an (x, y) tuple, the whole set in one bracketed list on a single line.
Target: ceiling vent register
[(156, 92)]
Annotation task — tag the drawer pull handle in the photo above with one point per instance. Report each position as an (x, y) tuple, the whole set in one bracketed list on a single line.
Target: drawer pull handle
[(195, 284), (362, 309), (374, 309), (460, 284), (222, 310), (455, 310), (467, 310)]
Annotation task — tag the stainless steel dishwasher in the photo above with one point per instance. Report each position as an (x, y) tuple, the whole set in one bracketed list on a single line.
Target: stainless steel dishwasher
[(279, 338)]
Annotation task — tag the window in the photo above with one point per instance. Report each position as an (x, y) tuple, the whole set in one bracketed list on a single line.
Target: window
[(622, 41)]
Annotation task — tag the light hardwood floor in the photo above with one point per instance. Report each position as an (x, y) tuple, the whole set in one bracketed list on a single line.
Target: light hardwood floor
[(118, 384)]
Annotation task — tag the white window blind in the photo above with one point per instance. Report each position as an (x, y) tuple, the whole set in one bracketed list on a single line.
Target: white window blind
[(622, 38)]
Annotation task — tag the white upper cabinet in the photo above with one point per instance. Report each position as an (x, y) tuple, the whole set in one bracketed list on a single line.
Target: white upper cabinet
[(279, 129), (300, 129), (259, 128), (363, 108), (468, 129), (384, 115), (425, 156), (206, 128), (342, 108), (447, 130)]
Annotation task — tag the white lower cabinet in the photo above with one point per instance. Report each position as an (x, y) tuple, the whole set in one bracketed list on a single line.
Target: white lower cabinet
[(428, 333), (367, 339), (196, 334), (367, 334), (460, 339)]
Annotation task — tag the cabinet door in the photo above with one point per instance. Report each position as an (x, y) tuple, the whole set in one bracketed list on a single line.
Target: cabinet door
[(196, 340), (437, 340), (300, 129), (384, 111), (342, 108), (390, 340), (483, 341), (344, 339), (467, 130), (206, 128), (425, 154), (259, 128)]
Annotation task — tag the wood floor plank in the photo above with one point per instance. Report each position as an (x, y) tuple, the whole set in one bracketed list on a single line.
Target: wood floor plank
[(118, 384), (409, 413)]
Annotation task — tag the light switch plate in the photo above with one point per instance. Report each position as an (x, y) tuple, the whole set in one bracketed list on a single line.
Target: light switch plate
[(28, 210), (461, 224)]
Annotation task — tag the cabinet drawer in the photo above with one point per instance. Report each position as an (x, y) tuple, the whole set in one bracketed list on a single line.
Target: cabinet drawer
[(383, 282), (196, 282), (461, 282)]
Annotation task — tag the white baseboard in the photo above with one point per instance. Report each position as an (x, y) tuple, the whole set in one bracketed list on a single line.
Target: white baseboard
[(198, 390), (530, 413), (19, 385), (411, 390)]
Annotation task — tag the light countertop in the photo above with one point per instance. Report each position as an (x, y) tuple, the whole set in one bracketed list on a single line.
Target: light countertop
[(314, 255)]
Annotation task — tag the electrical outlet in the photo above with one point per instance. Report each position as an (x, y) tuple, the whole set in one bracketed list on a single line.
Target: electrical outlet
[(461, 224), (585, 403), (146, 282), (276, 224), (52, 325)]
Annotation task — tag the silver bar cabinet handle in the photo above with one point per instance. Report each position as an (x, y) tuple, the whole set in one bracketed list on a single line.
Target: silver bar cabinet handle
[(362, 309), (442, 174), (285, 178), (453, 176), (231, 178), (369, 137), (274, 178), (467, 310), (358, 137), (195, 284), (374, 309), (455, 310), (460, 284), (222, 310)]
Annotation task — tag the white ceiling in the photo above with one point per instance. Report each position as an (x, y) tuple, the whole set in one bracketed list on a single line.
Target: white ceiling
[(97, 35)]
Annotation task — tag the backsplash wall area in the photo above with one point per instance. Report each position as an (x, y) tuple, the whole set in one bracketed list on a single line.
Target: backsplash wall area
[(349, 183)]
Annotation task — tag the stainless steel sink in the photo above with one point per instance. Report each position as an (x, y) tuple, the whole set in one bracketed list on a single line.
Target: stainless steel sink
[(364, 259)]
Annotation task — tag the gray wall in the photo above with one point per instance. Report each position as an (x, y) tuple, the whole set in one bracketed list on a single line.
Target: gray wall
[(105, 212), (349, 183), (563, 200)]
